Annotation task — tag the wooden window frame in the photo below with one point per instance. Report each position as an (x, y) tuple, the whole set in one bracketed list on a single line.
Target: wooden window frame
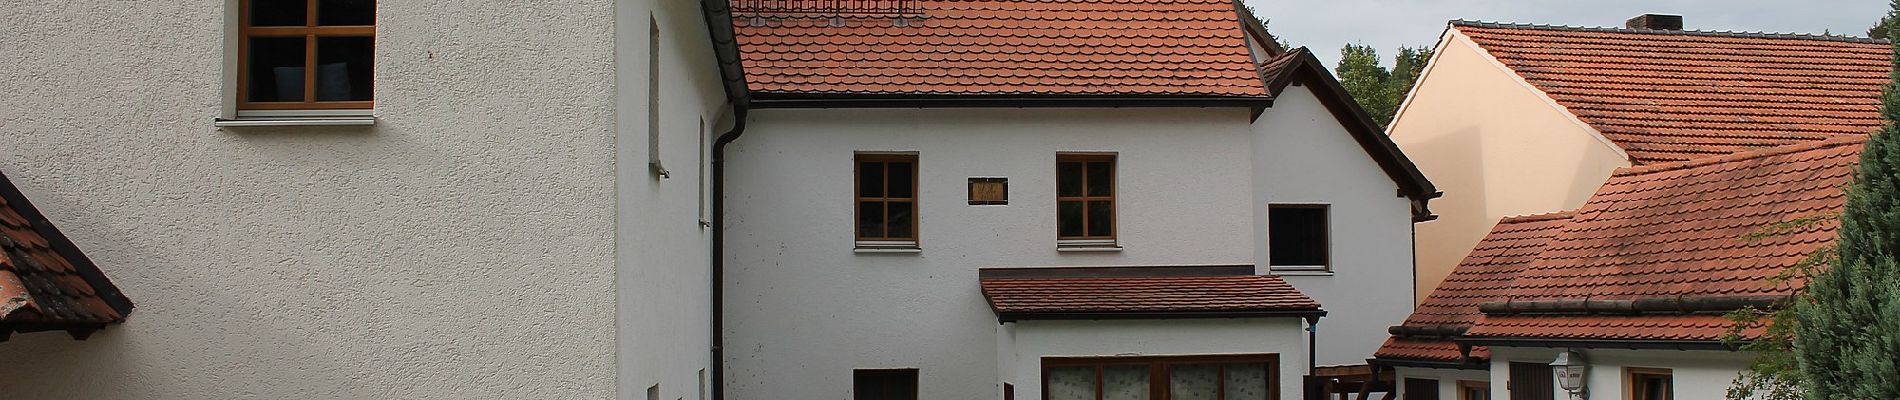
[(1326, 238), (1632, 375), (1159, 366), (857, 166), (915, 375), (310, 32), (1114, 207), (1464, 389)]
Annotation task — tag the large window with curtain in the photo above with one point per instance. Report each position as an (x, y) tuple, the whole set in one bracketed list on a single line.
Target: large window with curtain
[(1223, 377)]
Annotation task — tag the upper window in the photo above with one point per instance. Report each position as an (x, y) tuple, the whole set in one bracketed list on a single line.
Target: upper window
[(887, 200), (1421, 389), (1297, 237), (884, 384), (1650, 384), (1162, 378), (1474, 390), (306, 54), (1085, 199)]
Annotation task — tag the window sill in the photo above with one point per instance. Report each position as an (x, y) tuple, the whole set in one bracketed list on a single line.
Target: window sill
[(887, 250), (294, 121), (1089, 249)]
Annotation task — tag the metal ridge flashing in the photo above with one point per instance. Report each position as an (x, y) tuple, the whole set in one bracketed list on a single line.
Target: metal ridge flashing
[(1728, 34)]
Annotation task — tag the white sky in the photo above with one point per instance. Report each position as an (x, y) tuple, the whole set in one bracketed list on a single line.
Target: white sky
[(1326, 25)]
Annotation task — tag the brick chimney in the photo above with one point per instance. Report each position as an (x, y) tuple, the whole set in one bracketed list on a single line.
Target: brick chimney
[(1660, 22)]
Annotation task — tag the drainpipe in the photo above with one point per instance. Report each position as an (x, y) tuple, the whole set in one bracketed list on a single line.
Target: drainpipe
[(1312, 346), (719, 249)]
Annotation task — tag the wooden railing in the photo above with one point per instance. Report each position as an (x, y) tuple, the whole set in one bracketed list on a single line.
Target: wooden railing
[(822, 6)]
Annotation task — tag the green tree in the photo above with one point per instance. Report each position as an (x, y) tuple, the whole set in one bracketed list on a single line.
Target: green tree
[(1879, 31), (1841, 337), (1377, 89), (1847, 336)]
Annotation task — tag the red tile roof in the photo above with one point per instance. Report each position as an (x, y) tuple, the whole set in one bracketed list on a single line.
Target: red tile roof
[(1709, 228), (1030, 297), (1484, 276), (1666, 96), (1126, 48), (45, 284)]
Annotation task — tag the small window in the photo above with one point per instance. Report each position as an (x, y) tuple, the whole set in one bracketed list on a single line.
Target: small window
[(1297, 237), (1649, 384), (306, 54), (1421, 389), (1085, 199), (884, 384), (653, 392), (887, 200), (1474, 390), (1009, 391), (989, 191)]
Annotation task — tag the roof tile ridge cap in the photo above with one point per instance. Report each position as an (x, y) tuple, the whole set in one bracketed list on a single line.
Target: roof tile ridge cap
[(1743, 156), (1516, 219), (1685, 32)]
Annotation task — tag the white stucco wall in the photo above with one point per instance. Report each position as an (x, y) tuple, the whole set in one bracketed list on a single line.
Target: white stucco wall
[(1029, 341), (1496, 146), (664, 284), (1447, 379), (1697, 375), (463, 247), (1303, 155), (804, 310)]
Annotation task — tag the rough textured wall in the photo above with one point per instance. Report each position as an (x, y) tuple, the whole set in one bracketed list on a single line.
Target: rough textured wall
[(1304, 156), (803, 309), (1496, 148), (461, 248)]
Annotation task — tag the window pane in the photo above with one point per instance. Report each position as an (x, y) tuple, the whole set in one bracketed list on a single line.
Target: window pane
[(346, 12), (1069, 218), (1101, 181), (1297, 236), (1073, 383), (276, 69), (1129, 382), (1247, 382), (899, 220), (1069, 179), (1101, 218), (1193, 382), (870, 179), (343, 68), (871, 220), (901, 175), (278, 12)]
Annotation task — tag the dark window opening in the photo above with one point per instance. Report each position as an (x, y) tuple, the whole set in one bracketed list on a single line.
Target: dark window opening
[(306, 54), (1421, 389), (1085, 197), (1297, 237), (884, 384), (887, 197), (1651, 384)]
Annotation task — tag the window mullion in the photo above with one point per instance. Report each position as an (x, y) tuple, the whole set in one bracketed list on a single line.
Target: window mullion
[(310, 65)]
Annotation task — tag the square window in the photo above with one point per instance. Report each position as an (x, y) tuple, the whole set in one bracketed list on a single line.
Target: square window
[(1297, 237), (884, 384), (306, 54)]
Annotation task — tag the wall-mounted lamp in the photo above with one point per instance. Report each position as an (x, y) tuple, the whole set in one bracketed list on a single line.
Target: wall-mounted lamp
[(1572, 372)]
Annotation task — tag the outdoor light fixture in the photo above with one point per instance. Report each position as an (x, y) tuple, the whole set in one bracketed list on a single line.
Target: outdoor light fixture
[(1571, 371)]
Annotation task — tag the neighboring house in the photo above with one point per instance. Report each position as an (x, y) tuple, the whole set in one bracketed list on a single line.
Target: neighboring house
[(1515, 119), (993, 199), (1635, 283), (460, 206)]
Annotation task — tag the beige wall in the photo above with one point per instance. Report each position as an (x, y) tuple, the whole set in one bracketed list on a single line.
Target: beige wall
[(1496, 147)]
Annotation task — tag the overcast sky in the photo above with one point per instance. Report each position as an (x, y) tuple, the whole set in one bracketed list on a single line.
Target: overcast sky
[(1325, 25)]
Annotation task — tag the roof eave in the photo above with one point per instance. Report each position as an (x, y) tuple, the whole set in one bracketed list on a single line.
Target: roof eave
[(60, 244), (1473, 363), (1629, 344), (763, 100), (1007, 317)]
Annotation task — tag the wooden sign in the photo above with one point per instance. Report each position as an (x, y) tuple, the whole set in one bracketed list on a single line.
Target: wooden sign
[(989, 191)]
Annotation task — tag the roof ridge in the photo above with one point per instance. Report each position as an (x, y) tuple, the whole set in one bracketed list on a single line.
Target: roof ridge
[(1731, 34), (1842, 140), (1516, 219)]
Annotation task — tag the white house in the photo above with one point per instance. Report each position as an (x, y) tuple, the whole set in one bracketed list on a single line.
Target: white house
[(905, 175), (1633, 287), (461, 207)]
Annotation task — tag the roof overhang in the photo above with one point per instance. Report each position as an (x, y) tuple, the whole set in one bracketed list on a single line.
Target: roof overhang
[(1468, 364), (1684, 345), (761, 100), (1185, 314)]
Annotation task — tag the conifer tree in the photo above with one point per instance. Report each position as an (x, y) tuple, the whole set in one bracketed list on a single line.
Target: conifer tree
[(1847, 333)]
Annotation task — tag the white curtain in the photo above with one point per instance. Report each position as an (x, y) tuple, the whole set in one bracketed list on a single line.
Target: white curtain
[(1125, 383), (1247, 382)]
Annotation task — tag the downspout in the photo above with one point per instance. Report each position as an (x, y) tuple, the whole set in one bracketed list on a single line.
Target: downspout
[(1312, 346), (719, 249)]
